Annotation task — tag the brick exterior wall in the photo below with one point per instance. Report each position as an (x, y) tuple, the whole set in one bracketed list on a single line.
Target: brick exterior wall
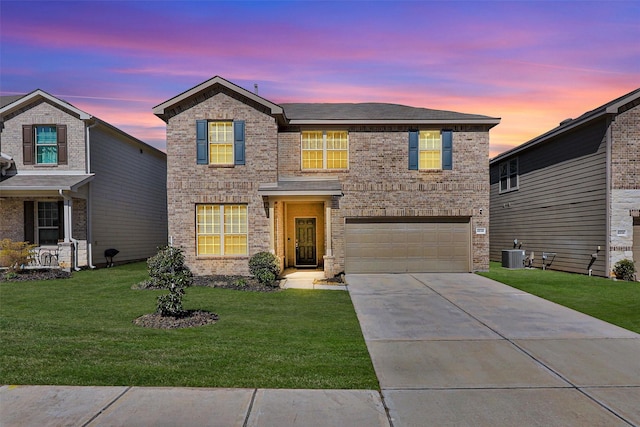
[(378, 183), (43, 113), (189, 183)]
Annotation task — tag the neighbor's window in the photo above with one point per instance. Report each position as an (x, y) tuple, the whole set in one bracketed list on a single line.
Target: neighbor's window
[(46, 145), (430, 146), (221, 229), (48, 223), (509, 175), (325, 150), (221, 143)]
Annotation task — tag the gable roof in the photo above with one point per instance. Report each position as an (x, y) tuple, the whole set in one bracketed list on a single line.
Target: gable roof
[(617, 106), (376, 113), (318, 113), (203, 91), (16, 103)]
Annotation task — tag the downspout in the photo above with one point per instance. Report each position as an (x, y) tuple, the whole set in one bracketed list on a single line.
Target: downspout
[(89, 201), (68, 227), (607, 248)]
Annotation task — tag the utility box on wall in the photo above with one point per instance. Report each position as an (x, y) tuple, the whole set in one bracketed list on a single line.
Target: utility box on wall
[(513, 258)]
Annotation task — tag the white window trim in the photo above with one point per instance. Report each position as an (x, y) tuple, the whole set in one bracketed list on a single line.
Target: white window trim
[(509, 175)]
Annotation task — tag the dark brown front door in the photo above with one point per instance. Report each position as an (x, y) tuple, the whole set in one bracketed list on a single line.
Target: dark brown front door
[(306, 242)]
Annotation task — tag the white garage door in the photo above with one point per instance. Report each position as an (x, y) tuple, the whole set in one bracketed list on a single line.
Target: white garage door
[(405, 246)]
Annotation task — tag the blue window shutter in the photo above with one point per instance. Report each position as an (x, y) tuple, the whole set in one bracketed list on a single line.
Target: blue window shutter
[(238, 142), (413, 150), (201, 142), (447, 150)]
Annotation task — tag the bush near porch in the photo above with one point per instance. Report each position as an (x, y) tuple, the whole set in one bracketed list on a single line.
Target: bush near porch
[(80, 331), (616, 302)]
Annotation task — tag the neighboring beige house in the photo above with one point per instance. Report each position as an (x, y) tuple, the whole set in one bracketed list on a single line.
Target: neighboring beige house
[(344, 187), (574, 192), (75, 186)]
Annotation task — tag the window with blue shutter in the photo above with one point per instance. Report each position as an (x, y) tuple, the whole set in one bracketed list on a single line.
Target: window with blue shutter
[(238, 142), (201, 142), (447, 150), (413, 150)]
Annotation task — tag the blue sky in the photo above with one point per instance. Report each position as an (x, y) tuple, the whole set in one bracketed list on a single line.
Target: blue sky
[(532, 63)]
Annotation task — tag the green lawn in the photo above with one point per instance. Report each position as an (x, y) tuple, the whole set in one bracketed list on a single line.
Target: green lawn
[(79, 331), (616, 302)]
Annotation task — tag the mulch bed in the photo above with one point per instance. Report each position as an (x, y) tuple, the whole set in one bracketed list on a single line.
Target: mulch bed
[(35, 274), (190, 319), (239, 283)]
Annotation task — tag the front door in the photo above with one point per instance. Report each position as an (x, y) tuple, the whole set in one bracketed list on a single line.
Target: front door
[(306, 242)]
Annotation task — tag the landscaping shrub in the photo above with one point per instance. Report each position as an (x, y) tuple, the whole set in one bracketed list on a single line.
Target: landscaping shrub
[(265, 267), (15, 255), (167, 271), (167, 268), (624, 270)]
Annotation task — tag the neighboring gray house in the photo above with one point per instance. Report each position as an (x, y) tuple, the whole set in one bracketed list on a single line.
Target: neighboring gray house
[(75, 186), (573, 192), (344, 187)]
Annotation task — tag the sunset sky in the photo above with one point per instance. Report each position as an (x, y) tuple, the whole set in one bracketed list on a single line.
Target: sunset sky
[(532, 63)]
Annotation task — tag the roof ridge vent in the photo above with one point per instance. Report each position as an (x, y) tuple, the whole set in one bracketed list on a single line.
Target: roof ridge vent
[(565, 121)]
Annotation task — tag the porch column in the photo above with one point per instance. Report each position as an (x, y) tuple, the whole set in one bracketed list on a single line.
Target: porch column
[(272, 227), (327, 231), (68, 218)]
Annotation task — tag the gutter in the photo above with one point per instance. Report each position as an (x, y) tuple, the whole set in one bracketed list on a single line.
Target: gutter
[(89, 199), (6, 161)]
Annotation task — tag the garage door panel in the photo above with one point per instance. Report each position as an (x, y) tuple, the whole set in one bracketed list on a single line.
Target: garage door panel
[(398, 247)]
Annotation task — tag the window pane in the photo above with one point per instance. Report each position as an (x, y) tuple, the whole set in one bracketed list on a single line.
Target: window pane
[(47, 154), (46, 135), (235, 244), (48, 214), (513, 167), (503, 184), (221, 132), (312, 159), (48, 236), (504, 169), (513, 181), (221, 154), (430, 160), (337, 159), (208, 229)]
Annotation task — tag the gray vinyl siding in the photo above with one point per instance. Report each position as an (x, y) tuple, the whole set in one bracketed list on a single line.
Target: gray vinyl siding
[(129, 197), (560, 204)]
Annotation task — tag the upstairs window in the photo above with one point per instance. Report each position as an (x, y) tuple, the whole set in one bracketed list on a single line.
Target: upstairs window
[(508, 175), (44, 144), (431, 150), (220, 143), (325, 150)]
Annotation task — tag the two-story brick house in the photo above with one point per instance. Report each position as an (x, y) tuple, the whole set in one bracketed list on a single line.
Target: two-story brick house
[(346, 187), (75, 185)]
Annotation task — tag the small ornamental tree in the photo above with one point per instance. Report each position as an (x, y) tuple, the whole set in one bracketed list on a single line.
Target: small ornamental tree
[(265, 267), (167, 271)]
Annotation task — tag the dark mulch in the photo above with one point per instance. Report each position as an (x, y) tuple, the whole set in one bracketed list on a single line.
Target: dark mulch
[(239, 283), (190, 319), (27, 275)]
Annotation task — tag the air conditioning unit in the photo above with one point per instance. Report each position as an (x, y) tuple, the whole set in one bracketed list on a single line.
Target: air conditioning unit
[(513, 258)]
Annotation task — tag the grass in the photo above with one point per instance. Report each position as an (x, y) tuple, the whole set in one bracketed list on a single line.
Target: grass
[(79, 331), (616, 302)]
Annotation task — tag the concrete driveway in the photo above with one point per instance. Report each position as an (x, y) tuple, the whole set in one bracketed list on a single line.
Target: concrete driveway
[(463, 350)]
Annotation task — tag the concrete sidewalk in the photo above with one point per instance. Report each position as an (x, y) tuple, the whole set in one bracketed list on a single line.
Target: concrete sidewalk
[(463, 350), (448, 349)]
